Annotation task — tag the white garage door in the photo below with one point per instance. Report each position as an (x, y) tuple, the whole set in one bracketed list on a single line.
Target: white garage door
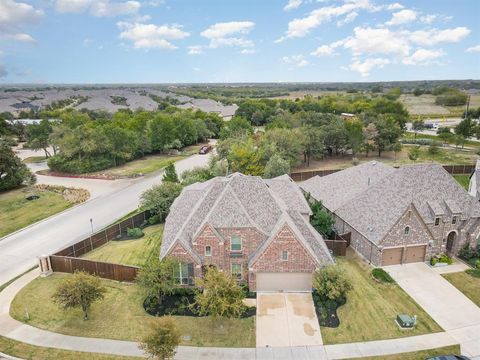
[(284, 282)]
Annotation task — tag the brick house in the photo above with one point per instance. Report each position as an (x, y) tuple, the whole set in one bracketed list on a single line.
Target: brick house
[(257, 230), (399, 215)]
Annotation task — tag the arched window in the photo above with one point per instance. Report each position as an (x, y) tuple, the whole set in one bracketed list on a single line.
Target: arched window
[(407, 230)]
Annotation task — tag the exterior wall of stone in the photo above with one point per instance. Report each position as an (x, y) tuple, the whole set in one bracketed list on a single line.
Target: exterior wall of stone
[(360, 243), (299, 260)]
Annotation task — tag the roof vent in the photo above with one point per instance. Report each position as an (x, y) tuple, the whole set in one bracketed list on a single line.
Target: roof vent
[(370, 228), (374, 162), (369, 181)]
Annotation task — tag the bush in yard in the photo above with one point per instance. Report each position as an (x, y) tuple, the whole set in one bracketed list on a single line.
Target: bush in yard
[(13, 173), (156, 278), (134, 233), (79, 290), (382, 276), (414, 153), (159, 198), (221, 295), (162, 340), (321, 219), (473, 272), (467, 252), (477, 264), (331, 283), (170, 174)]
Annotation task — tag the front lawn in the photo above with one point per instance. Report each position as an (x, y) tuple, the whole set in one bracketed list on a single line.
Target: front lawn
[(372, 307), (16, 211), (130, 252), (416, 355), (121, 316), (31, 352), (467, 284)]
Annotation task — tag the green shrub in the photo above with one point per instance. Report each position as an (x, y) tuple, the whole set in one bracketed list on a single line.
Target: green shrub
[(75, 166), (331, 283), (477, 264), (154, 219), (134, 233), (473, 272), (441, 258), (467, 253), (382, 276)]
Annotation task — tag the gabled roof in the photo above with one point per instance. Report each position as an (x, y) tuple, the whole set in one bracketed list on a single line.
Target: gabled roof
[(339, 188), (240, 201), (375, 210)]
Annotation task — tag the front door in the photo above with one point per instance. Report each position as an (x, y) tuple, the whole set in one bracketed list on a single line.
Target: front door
[(451, 241)]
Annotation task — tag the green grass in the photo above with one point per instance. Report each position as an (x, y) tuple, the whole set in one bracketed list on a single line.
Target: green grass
[(120, 315), (16, 212), (372, 307), (34, 159), (31, 352), (469, 285), (410, 135), (416, 355), (130, 252), (463, 180)]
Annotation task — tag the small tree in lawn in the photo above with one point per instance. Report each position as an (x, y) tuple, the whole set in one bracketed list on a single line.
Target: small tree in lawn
[(159, 198), (79, 290), (331, 283), (321, 219), (221, 296), (397, 147), (414, 153), (156, 278), (170, 174), (162, 340)]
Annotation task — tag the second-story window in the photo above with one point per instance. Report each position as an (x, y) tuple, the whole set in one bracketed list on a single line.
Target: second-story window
[(407, 230), (437, 221), (208, 250), (236, 243), (454, 220)]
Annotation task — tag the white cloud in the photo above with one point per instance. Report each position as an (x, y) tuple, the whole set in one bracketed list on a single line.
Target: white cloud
[(428, 19), (302, 26), (295, 60), (13, 16), (402, 17), (150, 36), (195, 50), (229, 34), (247, 51), (434, 36), (376, 41), (324, 50), (423, 57), (348, 19), (473, 49), (292, 4), (395, 6), (99, 8), (364, 68)]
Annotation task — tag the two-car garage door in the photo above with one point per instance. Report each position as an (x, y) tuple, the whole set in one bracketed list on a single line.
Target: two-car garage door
[(409, 254), (284, 282)]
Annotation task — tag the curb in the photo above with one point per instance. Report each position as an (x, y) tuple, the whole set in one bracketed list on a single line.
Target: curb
[(8, 357)]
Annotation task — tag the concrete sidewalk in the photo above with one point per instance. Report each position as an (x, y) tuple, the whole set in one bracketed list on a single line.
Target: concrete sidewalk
[(16, 330)]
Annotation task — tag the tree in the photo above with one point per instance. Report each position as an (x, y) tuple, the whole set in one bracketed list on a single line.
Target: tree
[(38, 136), (312, 142), (159, 198), (465, 129), (397, 147), (331, 283), (276, 166), (156, 278), (370, 132), (79, 290), (416, 126), (355, 135), (170, 174), (221, 295), (237, 126), (162, 131), (162, 340), (445, 134), (13, 172), (245, 157), (321, 219), (414, 153), (388, 133), (121, 143)]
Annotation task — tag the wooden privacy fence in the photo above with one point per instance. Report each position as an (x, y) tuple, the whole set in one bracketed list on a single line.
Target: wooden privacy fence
[(67, 260), (305, 175), (104, 270), (339, 244)]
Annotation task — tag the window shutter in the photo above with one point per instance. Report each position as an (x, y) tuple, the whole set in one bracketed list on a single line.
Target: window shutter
[(190, 274)]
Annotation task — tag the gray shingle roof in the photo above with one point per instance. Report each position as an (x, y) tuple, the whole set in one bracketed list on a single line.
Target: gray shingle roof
[(375, 210), (240, 201), (337, 189)]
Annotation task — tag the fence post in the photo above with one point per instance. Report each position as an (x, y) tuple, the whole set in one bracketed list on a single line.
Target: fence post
[(91, 243)]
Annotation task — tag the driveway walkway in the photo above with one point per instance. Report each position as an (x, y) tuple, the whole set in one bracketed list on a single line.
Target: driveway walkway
[(286, 319), (452, 310)]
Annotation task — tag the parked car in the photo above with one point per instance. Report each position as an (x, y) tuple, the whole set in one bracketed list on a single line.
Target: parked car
[(205, 149), (449, 357)]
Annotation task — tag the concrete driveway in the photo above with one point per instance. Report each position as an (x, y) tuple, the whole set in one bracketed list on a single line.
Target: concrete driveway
[(452, 310), (287, 319)]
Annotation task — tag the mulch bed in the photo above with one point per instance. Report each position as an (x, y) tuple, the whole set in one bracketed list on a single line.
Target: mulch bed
[(181, 305), (327, 311)]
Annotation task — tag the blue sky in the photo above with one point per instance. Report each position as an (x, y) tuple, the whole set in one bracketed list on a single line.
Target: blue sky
[(153, 41)]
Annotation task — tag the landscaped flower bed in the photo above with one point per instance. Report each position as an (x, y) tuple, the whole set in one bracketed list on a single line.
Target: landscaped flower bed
[(441, 260), (327, 310)]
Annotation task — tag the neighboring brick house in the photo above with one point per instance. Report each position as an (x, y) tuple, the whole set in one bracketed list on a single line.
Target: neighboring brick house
[(257, 230), (399, 215)]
